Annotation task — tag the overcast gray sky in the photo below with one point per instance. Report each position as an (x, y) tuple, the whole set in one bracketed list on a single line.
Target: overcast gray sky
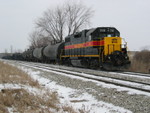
[(130, 17)]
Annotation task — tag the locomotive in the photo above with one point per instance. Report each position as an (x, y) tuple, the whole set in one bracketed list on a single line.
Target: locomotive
[(100, 47), (96, 48)]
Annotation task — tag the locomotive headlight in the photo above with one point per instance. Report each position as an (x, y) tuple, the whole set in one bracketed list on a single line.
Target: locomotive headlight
[(126, 57), (109, 58)]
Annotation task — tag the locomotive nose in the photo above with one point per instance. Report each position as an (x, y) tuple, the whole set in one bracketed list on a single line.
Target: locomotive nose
[(117, 58), (119, 62)]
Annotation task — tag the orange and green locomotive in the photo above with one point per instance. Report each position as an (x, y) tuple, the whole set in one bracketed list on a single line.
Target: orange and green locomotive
[(100, 47)]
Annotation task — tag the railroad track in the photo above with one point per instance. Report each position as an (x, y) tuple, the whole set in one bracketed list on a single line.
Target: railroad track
[(141, 86), (129, 74), (134, 74)]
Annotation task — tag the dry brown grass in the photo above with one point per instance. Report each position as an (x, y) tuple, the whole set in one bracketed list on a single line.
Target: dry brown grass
[(141, 62), (10, 74), (21, 100), (24, 101), (70, 109)]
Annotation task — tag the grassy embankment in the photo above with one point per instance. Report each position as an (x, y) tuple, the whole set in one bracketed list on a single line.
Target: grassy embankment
[(23, 101), (140, 62)]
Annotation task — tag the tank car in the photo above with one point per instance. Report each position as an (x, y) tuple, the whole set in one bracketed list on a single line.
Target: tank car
[(47, 54), (28, 55), (17, 56), (51, 53), (100, 47), (38, 54)]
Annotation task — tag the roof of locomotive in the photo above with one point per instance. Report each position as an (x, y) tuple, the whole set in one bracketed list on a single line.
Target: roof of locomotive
[(90, 31), (107, 29)]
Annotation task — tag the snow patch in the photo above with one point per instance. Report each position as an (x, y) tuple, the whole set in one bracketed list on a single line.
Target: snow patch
[(78, 101)]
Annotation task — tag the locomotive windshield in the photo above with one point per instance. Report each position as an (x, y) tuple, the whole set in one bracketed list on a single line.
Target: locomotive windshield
[(105, 32)]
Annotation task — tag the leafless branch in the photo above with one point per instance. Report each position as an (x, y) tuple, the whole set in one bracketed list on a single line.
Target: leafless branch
[(57, 23)]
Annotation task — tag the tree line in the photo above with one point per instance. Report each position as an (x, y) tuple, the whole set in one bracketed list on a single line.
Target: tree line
[(56, 23)]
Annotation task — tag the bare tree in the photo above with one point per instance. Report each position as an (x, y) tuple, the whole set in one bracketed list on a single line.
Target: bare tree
[(78, 16), (52, 23), (64, 20), (38, 40)]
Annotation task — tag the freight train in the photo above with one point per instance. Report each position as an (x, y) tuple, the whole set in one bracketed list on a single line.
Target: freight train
[(100, 47)]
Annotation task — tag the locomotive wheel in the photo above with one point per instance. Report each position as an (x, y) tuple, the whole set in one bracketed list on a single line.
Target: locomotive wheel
[(85, 63), (94, 64), (67, 62)]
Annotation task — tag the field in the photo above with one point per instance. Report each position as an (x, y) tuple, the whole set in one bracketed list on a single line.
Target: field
[(20, 93)]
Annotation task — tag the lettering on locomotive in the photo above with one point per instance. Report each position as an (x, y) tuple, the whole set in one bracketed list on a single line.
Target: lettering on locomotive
[(114, 40)]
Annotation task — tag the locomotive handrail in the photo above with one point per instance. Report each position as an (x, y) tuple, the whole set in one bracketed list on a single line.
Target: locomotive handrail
[(124, 41), (101, 53), (61, 53)]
